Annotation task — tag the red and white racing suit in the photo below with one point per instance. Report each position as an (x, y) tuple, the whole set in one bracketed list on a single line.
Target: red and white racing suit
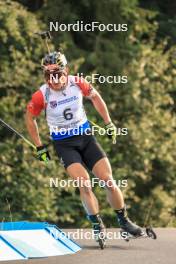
[(64, 108)]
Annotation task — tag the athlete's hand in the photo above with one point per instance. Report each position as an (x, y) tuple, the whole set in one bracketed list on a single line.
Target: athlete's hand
[(43, 154), (111, 131)]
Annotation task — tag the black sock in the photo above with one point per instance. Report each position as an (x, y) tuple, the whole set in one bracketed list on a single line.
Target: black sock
[(121, 214), (95, 219)]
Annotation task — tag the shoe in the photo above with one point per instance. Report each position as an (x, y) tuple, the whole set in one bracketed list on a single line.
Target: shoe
[(99, 229), (131, 228)]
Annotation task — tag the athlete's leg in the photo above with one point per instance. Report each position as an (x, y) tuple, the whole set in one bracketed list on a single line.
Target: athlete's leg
[(78, 172), (67, 151), (102, 170)]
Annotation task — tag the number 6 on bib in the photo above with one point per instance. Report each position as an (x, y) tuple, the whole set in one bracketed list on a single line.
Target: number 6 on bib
[(68, 115)]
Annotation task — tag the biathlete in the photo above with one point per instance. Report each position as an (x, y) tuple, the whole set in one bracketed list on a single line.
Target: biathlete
[(61, 97)]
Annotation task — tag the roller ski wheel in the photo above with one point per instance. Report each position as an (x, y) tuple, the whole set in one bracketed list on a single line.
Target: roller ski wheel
[(150, 233), (102, 243), (100, 237)]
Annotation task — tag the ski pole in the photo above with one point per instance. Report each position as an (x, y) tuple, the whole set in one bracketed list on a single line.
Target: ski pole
[(2, 122), (20, 135), (45, 35)]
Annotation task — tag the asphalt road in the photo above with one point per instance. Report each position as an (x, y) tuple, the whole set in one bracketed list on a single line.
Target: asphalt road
[(138, 251)]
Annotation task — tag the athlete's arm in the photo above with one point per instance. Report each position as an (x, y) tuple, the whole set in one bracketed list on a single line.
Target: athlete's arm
[(98, 102), (100, 106), (32, 128), (34, 107), (102, 109)]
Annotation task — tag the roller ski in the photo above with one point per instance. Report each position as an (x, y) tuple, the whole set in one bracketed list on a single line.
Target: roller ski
[(146, 233), (99, 231), (129, 230)]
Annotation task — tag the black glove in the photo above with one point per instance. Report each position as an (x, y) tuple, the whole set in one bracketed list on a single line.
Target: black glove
[(111, 131), (43, 154)]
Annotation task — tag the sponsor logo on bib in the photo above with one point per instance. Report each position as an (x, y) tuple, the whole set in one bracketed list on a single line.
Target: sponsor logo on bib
[(53, 104)]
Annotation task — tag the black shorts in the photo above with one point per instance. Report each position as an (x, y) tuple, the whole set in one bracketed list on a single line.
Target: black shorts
[(82, 149)]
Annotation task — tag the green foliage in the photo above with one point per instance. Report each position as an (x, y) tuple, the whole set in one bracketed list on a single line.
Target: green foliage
[(21, 184), (145, 105)]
